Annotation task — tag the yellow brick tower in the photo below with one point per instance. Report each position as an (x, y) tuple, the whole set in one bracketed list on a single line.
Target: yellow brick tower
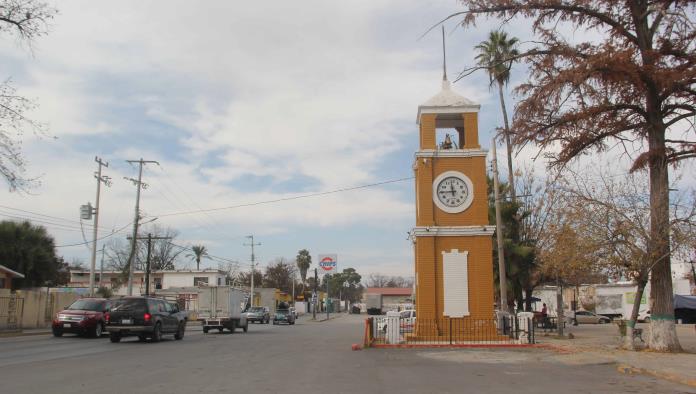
[(452, 237)]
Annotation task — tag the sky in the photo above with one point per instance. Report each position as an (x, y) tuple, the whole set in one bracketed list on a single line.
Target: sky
[(241, 103)]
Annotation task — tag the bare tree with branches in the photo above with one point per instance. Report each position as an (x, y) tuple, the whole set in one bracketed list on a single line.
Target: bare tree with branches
[(26, 20)]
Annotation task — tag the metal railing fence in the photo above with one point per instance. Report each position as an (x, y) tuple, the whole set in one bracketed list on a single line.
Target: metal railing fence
[(451, 331)]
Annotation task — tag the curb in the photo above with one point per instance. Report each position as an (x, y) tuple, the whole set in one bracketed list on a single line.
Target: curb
[(13, 334), (630, 370), (453, 346), (330, 318)]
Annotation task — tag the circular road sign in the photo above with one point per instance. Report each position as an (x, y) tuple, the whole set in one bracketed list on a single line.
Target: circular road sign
[(327, 263)]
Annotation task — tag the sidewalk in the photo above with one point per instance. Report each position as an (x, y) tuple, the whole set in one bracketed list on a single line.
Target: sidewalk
[(600, 344)]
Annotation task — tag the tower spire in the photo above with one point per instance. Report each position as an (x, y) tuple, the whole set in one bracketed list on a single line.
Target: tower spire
[(444, 56)]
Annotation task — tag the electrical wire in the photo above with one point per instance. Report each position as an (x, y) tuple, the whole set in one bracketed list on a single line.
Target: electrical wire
[(98, 239), (286, 198)]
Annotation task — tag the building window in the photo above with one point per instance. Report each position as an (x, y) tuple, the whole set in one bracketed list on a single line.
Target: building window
[(200, 280), (3, 283), (219, 281), (158, 283)]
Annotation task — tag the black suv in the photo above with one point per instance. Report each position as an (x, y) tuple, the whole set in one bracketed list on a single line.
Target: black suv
[(145, 317)]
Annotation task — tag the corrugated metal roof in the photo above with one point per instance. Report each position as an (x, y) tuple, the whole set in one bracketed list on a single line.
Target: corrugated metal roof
[(11, 272)]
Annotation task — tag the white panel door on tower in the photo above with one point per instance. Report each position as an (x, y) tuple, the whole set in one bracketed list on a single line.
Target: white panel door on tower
[(455, 280)]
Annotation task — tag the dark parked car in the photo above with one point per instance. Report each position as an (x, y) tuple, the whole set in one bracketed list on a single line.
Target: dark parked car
[(259, 314), (284, 316), (84, 317), (144, 317)]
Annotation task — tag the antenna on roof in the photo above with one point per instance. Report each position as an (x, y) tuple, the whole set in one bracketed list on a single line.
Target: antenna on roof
[(444, 56)]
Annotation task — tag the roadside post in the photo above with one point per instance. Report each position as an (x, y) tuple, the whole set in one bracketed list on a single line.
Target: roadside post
[(328, 263)]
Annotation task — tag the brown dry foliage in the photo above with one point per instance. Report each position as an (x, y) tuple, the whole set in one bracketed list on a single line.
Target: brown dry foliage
[(636, 78)]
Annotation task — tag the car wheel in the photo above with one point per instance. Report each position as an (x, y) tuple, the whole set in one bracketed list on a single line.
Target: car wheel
[(275, 323), (142, 338), (97, 330), (205, 330), (57, 332), (180, 332), (220, 329), (115, 337), (157, 333)]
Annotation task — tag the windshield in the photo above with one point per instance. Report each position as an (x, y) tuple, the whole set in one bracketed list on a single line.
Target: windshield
[(256, 309), (87, 305), (129, 304)]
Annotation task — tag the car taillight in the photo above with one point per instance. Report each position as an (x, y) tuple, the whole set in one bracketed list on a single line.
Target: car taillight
[(107, 316), (147, 317)]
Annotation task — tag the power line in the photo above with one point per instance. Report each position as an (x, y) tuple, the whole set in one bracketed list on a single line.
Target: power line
[(98, 239), (212, 219), (76, 222), (345, 189)]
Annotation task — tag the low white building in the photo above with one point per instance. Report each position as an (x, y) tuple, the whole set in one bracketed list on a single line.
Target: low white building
[(158, 279)]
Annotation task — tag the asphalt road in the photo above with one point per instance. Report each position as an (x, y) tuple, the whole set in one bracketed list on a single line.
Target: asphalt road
[(308, 357)]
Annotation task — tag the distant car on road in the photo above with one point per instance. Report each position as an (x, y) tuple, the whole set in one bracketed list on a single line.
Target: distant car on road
[(283, 316), (587, 317), (144, 317), (83, 317), (259, 314)]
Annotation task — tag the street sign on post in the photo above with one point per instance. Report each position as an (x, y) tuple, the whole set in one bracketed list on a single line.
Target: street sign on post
[(328, 263)]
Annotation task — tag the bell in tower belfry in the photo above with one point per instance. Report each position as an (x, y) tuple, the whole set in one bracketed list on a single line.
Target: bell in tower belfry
[(452, 236)]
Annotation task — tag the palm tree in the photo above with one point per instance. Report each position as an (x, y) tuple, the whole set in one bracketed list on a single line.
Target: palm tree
[(199, 252), (497, 55), (303, 260)]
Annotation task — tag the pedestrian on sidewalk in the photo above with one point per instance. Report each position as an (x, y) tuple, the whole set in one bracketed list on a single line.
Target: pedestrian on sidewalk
[(544, 316)]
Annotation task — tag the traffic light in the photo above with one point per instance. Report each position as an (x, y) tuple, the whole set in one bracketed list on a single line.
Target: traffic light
[(86, 211)]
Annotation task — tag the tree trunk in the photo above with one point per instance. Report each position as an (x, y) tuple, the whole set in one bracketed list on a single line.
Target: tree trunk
[(559, 307), (508, 145), (663, 334), (629, 344)]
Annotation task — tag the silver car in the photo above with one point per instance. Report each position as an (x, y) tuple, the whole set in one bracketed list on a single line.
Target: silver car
[(260, 314), (587, 317)]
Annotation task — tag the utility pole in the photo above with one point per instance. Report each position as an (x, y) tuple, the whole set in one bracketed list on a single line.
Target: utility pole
[(107, 181), (139, 184), (314, 296), (149, 239), (293, 288), (101, 267), (499, 232), (253, 259)]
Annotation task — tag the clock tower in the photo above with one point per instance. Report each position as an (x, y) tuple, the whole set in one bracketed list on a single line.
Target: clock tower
[(452, 237)]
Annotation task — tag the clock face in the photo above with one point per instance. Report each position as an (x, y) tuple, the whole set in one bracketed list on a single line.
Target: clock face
[(452, 192)]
